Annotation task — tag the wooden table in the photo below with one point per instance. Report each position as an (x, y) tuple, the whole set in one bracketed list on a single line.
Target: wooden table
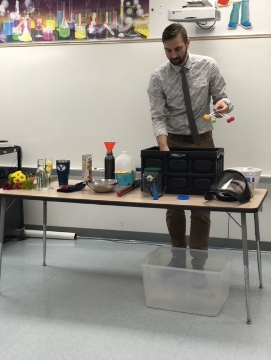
[(136, 199)]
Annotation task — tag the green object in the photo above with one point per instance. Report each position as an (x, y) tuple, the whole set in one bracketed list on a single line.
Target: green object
[(64, 32), (213, 121), (15, 37)]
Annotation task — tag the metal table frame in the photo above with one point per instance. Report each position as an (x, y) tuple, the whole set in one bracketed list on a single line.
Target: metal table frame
[(135, 199)]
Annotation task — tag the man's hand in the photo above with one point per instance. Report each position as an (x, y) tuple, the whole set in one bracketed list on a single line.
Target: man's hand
[(221, 107), (164, 148), (162, 143)]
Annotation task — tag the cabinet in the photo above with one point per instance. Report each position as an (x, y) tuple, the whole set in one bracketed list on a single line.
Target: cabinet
[(14, 219)]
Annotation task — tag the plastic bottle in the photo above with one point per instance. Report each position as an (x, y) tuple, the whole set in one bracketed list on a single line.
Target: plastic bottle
[(109, 166), (41, 178), (125, 163)]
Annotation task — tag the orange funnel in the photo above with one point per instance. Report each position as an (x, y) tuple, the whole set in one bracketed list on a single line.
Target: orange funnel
[(109, 145)]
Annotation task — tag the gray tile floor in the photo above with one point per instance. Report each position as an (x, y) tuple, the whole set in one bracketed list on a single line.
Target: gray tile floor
[(88, 303)]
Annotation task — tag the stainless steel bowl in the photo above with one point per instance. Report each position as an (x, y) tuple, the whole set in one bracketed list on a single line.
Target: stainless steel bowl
[(102, 185)]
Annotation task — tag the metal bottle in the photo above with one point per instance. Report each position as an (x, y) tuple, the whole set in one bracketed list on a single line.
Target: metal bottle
[(109, 166)]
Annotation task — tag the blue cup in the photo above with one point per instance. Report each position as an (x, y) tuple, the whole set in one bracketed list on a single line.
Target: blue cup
[(63, 171)]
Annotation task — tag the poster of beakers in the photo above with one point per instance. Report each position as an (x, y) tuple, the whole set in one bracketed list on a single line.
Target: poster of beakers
[(24, 21)]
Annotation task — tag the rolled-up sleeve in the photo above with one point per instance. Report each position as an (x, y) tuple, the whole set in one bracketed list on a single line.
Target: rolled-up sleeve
[(218, 86), (157, 105)]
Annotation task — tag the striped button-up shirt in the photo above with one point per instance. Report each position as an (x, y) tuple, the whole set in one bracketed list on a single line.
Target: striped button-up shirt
[(165, 92)]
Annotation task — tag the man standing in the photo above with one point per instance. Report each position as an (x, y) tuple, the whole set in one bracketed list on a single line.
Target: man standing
[(172, 122)]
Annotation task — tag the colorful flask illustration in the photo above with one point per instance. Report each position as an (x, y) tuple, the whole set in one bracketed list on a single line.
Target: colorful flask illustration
[(64, 30)]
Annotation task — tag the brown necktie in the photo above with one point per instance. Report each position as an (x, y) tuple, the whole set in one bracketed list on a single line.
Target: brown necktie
[(189, 110)]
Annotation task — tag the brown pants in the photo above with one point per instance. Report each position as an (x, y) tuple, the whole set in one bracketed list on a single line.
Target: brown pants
[(200, 220)]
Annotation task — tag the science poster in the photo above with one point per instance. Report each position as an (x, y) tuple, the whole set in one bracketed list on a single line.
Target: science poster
[(73, 20)]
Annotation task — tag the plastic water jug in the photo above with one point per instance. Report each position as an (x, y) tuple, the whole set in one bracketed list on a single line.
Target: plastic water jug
[(125, 171)]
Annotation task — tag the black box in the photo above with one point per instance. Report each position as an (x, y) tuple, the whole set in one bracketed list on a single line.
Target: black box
[(186, 170)]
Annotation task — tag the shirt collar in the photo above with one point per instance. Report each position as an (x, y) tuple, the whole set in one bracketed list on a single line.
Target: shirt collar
[(188, 64)]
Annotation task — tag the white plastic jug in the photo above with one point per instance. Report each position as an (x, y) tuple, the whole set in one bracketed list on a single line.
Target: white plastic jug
[(124, 168)]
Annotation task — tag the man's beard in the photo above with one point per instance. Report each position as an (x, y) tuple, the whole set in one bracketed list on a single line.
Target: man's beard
[(179, 60)]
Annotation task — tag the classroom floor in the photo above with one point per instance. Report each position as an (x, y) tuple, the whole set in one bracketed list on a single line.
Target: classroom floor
[(89, 303)]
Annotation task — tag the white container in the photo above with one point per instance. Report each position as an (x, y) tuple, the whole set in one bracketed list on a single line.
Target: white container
[(125, 163), (251, 174), (187, 290)]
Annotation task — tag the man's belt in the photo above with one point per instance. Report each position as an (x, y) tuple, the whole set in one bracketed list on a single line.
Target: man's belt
[(188, 138)]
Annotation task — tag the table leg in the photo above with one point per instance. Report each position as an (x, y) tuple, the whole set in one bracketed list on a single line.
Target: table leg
[(44, 231), (245, 261), (2, 230), (258, 242)]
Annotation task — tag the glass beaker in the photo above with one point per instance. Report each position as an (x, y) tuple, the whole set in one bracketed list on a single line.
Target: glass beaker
[(50, 21), (47, 34), (64, 30), (41, 179), (26, 35), (80, 32)]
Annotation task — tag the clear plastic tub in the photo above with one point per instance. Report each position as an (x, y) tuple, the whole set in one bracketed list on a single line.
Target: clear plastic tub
[(181, 286)]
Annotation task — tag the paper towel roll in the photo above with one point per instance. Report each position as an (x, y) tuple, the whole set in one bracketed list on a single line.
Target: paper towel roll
[(50, 234)]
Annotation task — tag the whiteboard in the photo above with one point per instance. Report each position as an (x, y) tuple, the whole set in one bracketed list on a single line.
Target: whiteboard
[(65, 101), (259, 11)]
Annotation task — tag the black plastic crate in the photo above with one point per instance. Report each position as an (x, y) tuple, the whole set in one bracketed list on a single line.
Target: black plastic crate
[(186, 170)]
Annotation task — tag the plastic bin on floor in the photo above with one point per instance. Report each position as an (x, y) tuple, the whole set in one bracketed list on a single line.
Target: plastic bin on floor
[(182, 287)]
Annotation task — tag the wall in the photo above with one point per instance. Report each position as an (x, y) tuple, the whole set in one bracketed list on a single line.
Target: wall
[(63, 101), (259, 16)]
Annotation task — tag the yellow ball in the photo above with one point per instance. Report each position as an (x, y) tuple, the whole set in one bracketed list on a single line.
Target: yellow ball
[(49, 163), (48, 169), (206, 117)]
